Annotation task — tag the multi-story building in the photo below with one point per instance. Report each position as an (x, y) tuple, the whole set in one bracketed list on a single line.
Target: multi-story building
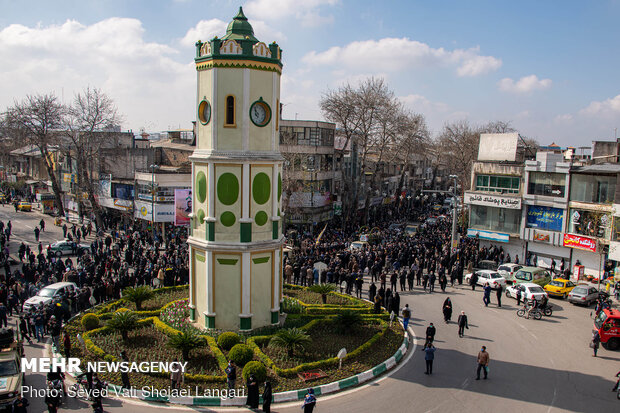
[(545, 205), (495, 207), (308, 173)]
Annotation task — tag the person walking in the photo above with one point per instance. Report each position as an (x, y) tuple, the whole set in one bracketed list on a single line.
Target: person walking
[(462, 322), (309, 401), (125, 375), (483, 363), (430, 333), (36, 233), (498, 294), (231, 375), (253, 395), (429, 356), (596, 340), (267, 396), (406, 316), (42, 225), (447, 310), (518, 297), (473, 281), (66, 342), (486, 299)]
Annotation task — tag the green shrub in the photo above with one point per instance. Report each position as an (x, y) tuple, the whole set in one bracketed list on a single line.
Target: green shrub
[(228, 340), (347, 321), (257, 369), (138, 295), (90, 321), (123, 322), (185, 342), (240, 354), (291, 340)]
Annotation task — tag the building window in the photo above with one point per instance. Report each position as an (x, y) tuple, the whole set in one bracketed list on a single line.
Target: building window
[(589, 223), (495, 219), (598, 189), (498, 183), (230, 111), (546, 183)]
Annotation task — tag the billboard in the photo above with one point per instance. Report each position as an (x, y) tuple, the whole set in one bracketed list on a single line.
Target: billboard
[(579, 242), (498, 147), (182, 206), (545, 218)]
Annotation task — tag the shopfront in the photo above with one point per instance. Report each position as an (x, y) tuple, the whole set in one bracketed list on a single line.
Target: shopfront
[(587, 251)]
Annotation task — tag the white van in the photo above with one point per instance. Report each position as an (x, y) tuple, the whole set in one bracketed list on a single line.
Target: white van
[(49, 294)]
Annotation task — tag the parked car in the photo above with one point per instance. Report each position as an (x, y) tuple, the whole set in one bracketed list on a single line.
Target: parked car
[(486, 265), (48, 294), (65, 247), (508, 271), (358, 245), (559, 287), (24, 206), (583, 294), (528, 291), (534, 275), (487, 276)]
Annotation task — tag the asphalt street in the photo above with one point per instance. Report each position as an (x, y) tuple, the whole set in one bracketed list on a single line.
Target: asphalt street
[(536, 366)]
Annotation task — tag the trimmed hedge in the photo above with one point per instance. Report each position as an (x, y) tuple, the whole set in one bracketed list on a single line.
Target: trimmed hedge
[(89, 321), (240, 354), (256, 368), (228, 340)]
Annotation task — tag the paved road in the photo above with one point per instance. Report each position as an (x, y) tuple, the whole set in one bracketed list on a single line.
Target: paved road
[(536, 366)]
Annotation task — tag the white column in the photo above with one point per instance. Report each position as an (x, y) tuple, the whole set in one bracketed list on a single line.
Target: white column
[(275, 109), (246, 288), (245, 207), (192, 281), (210, 283), (245, 131), (274, 192), (276, 281), (214, 108)]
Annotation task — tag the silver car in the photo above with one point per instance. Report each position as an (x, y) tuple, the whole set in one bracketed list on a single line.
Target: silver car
[(583, 294)]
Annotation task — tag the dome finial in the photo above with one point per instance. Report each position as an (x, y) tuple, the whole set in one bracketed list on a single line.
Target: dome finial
[(240, 28), (240, 15)]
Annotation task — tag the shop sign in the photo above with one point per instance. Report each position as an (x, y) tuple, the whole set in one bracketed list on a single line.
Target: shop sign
[(614, 251), (506, 202), (546, 218), (579, 242), (576, 216), (493, 236), (540, 236)]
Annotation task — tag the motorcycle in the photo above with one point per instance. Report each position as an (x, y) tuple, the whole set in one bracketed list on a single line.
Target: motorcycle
[(529, 311)]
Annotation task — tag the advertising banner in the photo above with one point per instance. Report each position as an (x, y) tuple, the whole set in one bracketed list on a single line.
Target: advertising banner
[(493, 236), (579, 242), (545, 218), (182, 206), (492, 200)]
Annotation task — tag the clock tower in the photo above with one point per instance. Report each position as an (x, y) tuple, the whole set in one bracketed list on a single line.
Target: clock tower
[(236, 235)]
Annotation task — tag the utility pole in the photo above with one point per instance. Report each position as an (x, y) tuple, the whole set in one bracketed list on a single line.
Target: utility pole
[(153, 192), (454, 243)]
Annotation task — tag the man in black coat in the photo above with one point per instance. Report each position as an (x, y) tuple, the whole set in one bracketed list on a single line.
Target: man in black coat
[(462, 322)]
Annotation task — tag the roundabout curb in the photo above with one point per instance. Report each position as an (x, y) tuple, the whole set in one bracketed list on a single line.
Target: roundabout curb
[(281, 397)]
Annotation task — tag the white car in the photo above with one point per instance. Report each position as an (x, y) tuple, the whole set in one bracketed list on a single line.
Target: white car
[(49, 293), (508, 271), (528, 291), (488, 276)]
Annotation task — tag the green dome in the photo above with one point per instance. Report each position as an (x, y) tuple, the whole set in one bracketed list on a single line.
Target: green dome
[(239, 28)]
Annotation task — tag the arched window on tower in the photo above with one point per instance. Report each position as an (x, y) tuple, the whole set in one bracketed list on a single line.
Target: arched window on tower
[(230, 111)]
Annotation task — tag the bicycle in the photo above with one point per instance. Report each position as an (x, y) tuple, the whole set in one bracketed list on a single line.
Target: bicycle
[(528, 311)]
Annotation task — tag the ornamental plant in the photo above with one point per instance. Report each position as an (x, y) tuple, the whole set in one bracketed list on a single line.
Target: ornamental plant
[(291, 339), (323, 289), (228, 340), (240, 354), (138, 295), (257, 369), (123, 322), (185, 342)]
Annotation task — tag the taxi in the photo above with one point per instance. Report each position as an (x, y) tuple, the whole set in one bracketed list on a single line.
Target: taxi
[(24, 206), (559, 287)]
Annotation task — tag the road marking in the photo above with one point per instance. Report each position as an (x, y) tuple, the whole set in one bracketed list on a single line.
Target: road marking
[(528, 331)]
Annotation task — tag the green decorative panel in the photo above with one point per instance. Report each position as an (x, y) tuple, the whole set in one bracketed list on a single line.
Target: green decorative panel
[(275, 230), (227, 261), (201, 216), (210, 321), (279, 186), (245, 323), (192, 314), (261, 188), (228, 188), (275, 317), (201, 186), (200, 257), (261, 218), (228, 219), (210, 231), (260, 260), (246, 232)]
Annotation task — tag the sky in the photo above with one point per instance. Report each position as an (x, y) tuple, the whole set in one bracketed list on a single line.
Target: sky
[(550, 68)]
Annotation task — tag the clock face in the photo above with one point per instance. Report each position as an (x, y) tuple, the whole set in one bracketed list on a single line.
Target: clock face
[(204, 112), (260, 114)]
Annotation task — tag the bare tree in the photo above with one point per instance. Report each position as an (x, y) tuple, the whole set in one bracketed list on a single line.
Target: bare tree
[(89, 128), (36, 121), (458, 145), (413, 139)]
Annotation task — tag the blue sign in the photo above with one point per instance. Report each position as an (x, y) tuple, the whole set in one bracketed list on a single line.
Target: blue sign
[(545, 218)]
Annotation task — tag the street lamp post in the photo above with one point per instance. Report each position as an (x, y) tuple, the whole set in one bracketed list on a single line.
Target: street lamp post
[(153, 192), (454, 239)]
